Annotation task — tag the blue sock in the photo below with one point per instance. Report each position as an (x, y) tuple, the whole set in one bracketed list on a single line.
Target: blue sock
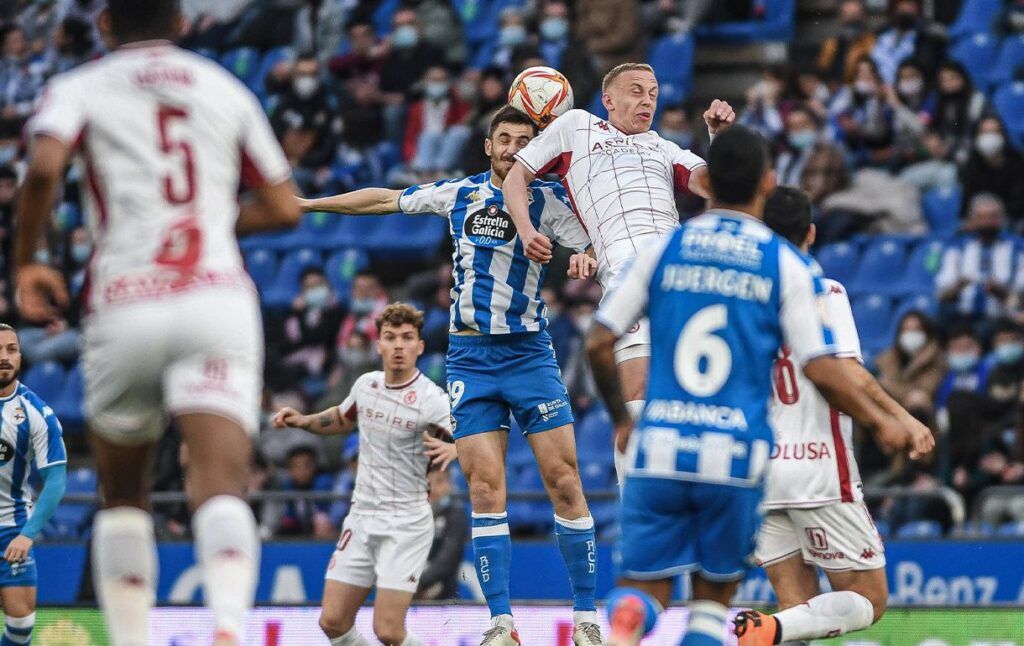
[(577, 544), (18, 630), (492, 557), (707, 624), (651, 607)]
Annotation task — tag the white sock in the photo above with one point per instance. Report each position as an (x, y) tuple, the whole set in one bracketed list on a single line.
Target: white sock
[(825, 614), (636, 409), (502, 620), (584, 617), (707, 618), (19, 629), (124, 572), (351, 638), (411, 640), (228, 550)]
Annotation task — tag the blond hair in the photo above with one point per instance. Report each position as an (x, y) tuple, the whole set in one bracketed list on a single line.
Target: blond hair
[(614, 72), (398, 314)]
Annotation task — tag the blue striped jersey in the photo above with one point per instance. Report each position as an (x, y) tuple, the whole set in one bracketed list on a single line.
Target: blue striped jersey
[(724, 293), (497, 288), (29, 435)]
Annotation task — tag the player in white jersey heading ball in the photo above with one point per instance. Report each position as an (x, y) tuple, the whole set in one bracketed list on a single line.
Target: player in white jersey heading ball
[(172, 329), (621, 178), (387, 535), (816, 516)]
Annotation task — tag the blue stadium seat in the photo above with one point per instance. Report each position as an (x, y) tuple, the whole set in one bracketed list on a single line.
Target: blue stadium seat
[(262, 266), (244, 63), (605, 514), (672, 60), (598, 476), (975, 16), (267, 63), (1011, 57), (1009, 102), (873, 315), (881, 262), (433, 365), (777, 24), (286, 285), (839, 261), (410, 236), (358, 232), (343, 265), (975, 530), (207, 52), (382, 15), (317, 230), (46, 380), (70, 405), (1011, 530), (922, 265), (941, 208), (594, 435), (883, 527), (920, 529), (68, 521), (921, 302), (978, 53), (529, 515)]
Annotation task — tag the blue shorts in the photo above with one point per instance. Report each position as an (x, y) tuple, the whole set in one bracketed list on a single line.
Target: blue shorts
[(493, 376), (675, 526), (13, 575)]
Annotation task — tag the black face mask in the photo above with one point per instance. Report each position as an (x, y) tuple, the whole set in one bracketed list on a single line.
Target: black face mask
[(904, 21), (988, 236)]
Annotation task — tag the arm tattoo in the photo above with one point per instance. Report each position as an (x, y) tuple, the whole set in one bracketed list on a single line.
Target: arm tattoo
[(326, 421)]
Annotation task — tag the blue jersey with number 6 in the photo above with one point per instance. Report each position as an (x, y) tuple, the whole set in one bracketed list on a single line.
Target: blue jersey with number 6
[(723, 293)]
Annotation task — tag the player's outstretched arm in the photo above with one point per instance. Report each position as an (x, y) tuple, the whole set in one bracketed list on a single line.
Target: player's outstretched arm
[(328, 422), (54, 484), (601, 353), (515, 188), (269, 208), (365, 201)]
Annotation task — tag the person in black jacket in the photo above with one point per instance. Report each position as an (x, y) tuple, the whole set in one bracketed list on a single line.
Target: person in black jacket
[(994, 166), (440, 578)]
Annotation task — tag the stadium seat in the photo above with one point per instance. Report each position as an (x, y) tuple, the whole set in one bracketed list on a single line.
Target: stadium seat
[(529, 515), (244, 63), (597, 475), (777, 24), (286, 285), (873, 315), (839, 261), (343, 265), (975, 16), (1011, 57), (382, 15), (262, 266), (317, 230), (70, 405), (68, 521), (920, 529), (605, 514), (672, 60), (46, 380), (921, 302), (882, 526), (594, 435), (922, 265), (974, 530), (881, 262), (357, 232), (410, 236), (267, 63), (941, 208), (1011, 530), (1009, 102), (977, 52)]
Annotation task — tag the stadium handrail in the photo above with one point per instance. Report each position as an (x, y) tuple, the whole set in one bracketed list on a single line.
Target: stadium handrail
[(990, 492)]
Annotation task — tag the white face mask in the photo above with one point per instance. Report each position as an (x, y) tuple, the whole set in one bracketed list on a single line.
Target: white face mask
[(912, 340), (305, 86), (864, 87), (989, 143), (911, 86)]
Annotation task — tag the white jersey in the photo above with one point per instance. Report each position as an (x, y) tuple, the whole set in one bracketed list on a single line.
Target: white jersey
[(392, 473), (164, 137), (621, 186), (812, 462)]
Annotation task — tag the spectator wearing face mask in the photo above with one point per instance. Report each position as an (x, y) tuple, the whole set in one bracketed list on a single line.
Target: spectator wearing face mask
[(865, 121), (436, 131), (802, 132), (1010, 21), (967, 372), (933, 168), (512, 44), (407, 59), (805, 87), (958, 109), (913, 105), (912, 369), (1006, 374), (975, 278), (853, 41), (994, 166), (611, 29), (442, 28), (19, 84), (761, 113), (564, 51), (907, 35), (72, 45), (367, 300)]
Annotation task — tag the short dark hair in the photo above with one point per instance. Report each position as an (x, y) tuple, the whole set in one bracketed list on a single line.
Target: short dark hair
[(133, 20), (737, 161), (1007, 326), (301, 449), (788, 213), (398, 314), (508, 114), (8, 172)]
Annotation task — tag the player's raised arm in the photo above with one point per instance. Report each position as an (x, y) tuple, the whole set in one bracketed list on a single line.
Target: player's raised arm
[(515, 189), (365, 201), (269, 208), (718, 117), (327, 422)]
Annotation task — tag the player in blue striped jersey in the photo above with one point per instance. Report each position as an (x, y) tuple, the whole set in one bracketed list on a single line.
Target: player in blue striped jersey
[(723, 293), (501, 363), (30, 436)]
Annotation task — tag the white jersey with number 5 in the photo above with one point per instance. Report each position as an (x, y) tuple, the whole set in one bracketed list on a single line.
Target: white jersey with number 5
[(164, 137), (812, 462)]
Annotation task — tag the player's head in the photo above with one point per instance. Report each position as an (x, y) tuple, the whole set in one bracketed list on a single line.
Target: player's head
[(630, 94), (10, 355), (509, 133), (788, 213), (127, 21), (739, 167), (400, 336)]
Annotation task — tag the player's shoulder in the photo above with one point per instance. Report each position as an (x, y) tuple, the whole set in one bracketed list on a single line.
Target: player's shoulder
[(33, 403), (430, 389), (453, 183), (550, 190), (369, 381), (574, 118)]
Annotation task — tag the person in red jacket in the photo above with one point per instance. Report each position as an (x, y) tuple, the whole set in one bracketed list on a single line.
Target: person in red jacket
[(435, 131)]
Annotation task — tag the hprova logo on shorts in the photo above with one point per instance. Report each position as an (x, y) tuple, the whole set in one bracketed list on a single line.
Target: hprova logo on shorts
[(490, 227)]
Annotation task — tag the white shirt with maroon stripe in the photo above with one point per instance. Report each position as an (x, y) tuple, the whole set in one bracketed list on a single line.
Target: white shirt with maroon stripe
[(164, 137), (812, 462), (622, 187), (392, 472)]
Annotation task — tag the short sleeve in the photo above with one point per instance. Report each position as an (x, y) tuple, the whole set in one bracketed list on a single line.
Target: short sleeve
[(61, 112), (683, 163), (263, 163), (844, 328), (437, 197), (440, 412), (47, 437), (349, 408), (803, 309), (551, 151), (627, 303), (559, 219)]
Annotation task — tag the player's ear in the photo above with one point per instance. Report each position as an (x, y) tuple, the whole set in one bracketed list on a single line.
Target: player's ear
[(106, 31), (768, 182), (606, 101), (181, 25), (420, 347), (487, 146), (812, 235)]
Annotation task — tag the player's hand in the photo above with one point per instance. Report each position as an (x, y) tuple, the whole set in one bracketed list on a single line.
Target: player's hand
[(40, 293), (288, 417), (622, 433), (17, 549), (581, 266), (538, 247), (921, 440), (892, 435), (719, 116), (441, 453)]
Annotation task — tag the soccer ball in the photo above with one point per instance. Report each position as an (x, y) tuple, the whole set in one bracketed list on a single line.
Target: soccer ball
[(541, 93)]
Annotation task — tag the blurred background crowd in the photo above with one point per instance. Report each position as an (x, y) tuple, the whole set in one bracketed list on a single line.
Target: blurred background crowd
[(903, 120)]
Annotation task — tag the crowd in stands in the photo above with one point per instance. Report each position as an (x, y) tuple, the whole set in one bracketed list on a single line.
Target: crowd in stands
[(895, 131)]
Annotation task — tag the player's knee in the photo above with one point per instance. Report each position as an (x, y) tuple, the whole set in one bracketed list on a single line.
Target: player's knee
[(486, 495), (564, 484), (334, 626), (389, 631), (879, 599)]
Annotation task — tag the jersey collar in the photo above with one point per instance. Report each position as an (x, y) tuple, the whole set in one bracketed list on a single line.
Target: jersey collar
[(145, 44), (17, 391), (405, 385)]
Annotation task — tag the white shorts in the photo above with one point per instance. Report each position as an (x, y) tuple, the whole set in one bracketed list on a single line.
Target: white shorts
[(838, 536), (635, 343), (389, 551), (193, 352)]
